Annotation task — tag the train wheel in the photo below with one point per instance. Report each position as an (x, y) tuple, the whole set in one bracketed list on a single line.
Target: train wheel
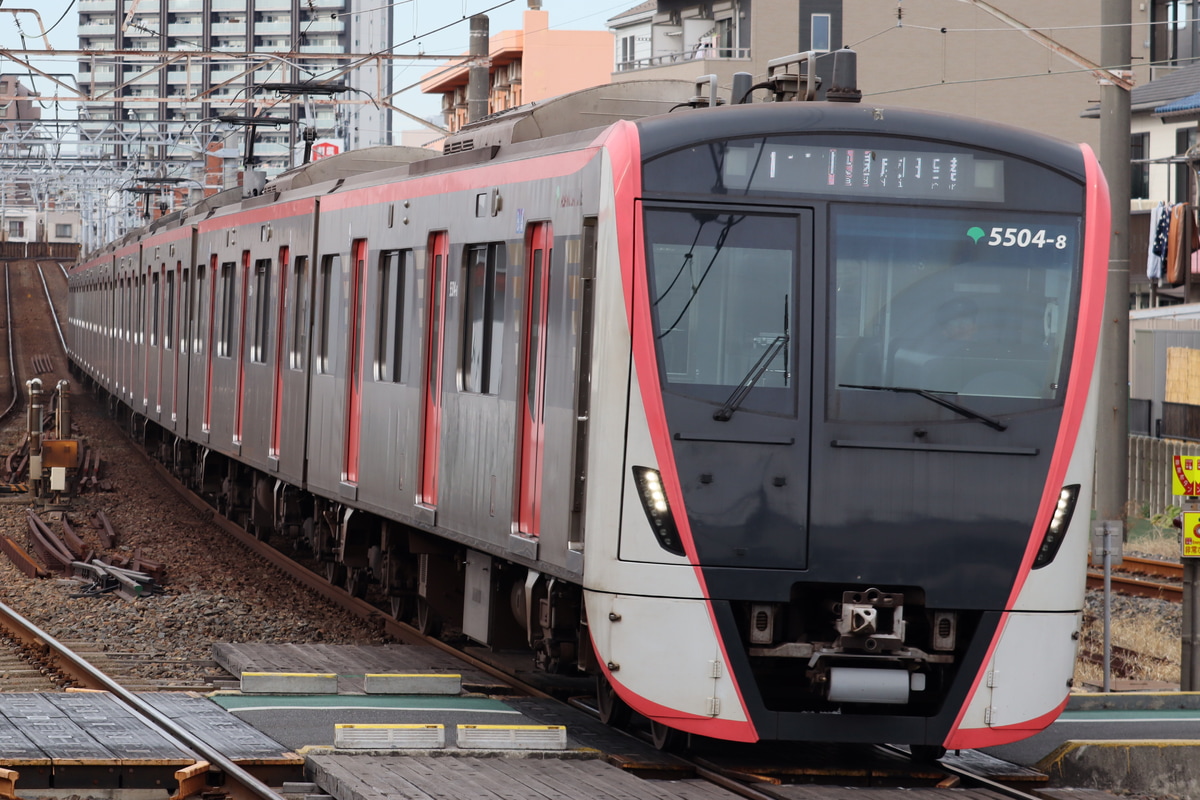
[(666, 738), (335, 573), (356, 582), (926, 753), (428, 622), (613, 710)]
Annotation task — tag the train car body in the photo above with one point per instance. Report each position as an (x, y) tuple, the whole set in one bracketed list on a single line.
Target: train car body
[(774, 416)]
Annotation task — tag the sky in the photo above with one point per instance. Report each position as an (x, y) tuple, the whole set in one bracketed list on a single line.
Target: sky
[(426, 26)]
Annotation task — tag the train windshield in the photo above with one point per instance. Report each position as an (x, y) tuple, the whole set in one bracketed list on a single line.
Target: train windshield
[(973, 302), (722, 294)]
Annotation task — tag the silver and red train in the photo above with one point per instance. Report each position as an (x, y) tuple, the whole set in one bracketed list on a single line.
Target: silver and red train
[(773, 416)]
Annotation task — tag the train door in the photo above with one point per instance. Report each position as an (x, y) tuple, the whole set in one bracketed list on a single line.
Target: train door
[(355, 356), (277, 368), (240, 382), (439, 252), (206, 422), (532, 402)]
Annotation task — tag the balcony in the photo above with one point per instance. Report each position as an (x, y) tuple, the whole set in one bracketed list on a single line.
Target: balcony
[(283, 28), (185, 29), (228, 28), (269, 5), (97, 29), (700, 54), (324, 25)]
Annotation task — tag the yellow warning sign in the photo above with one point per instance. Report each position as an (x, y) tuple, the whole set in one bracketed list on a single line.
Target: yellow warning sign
[(1185, 475), (1191, 534)]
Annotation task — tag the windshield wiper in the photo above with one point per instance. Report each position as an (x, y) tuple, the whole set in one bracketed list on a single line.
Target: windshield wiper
[(725, 412), (941, 401)]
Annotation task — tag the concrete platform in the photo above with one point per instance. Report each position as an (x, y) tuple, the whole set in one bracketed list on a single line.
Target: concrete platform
[(352, 664), (90, 740), (351, 777)]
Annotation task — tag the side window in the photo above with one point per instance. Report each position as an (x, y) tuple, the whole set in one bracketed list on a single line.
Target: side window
[(329, 265), (483, 317), (262, 310), (169, 332), (299, 289), (201, 284), (225, 309), (154, 307), (389, 339)]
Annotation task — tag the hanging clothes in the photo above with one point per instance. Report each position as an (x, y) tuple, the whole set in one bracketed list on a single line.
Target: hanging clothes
[(1156, 251), (1179, 239)]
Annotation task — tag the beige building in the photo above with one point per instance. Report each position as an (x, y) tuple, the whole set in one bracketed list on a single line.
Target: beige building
[(960, 56), (527, 65)]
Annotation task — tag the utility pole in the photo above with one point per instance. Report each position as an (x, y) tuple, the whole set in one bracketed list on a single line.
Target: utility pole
[(1112, 440), (478, 84)]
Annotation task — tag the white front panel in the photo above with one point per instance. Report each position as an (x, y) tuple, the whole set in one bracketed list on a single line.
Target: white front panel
[(666, 651)]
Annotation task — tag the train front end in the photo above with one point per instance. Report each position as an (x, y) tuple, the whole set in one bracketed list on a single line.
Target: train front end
[(858, 455)]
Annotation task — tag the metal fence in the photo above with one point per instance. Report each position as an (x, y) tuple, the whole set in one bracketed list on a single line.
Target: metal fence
[(1180, 421), (66, 251), (1150, 472)]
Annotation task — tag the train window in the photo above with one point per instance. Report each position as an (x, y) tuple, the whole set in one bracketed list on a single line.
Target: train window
[(483, 317), (329, 265), (197, 339), (299, 289), (225, 309), (262, 310), (723, 290), (961, 302), (154, 306), (389, 340), (140, 332), (169, 330)]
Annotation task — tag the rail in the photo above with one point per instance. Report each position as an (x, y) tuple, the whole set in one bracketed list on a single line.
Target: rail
[(89, 677), (12, 364), (1126, 583), (53, 312)]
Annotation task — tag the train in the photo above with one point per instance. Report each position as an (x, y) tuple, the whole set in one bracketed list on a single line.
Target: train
[(774, 417)]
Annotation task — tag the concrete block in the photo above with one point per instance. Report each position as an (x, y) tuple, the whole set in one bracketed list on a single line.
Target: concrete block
[(512, 737), (299, 787), (389, 737), (412, 683), (1155, 767), (289, 683)]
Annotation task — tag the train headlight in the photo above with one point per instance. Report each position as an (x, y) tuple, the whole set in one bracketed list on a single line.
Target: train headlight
[(658, 510), (1056, 531)]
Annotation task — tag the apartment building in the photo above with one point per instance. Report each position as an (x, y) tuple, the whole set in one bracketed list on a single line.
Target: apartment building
[(527, 65), (295, 38)]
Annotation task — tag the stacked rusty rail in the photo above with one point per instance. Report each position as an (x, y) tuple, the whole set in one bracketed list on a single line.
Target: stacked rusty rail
[(1123, 579)]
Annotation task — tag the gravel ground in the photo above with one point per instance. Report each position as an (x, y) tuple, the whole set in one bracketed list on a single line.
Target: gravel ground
[(214, 590)]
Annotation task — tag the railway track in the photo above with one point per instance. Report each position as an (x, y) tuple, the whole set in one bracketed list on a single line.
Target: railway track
[(1134, 576)]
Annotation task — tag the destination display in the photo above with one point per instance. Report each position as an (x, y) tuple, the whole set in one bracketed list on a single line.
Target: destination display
[(800, 169)]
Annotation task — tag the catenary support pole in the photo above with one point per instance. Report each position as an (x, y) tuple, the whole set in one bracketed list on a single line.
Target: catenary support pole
[(1112, 439)]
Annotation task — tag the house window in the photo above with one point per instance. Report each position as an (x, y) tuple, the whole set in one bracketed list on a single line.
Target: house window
[(62, 230), (1139, 167), (821, 33), (1184, 177), (483, 318), (16, 229)]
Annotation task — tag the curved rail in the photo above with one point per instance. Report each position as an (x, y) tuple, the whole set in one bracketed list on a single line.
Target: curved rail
[(90, 677), (12, 364), (53, 312)]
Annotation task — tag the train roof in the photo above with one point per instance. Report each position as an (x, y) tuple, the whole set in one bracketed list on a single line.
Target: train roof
[(669, 132)]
